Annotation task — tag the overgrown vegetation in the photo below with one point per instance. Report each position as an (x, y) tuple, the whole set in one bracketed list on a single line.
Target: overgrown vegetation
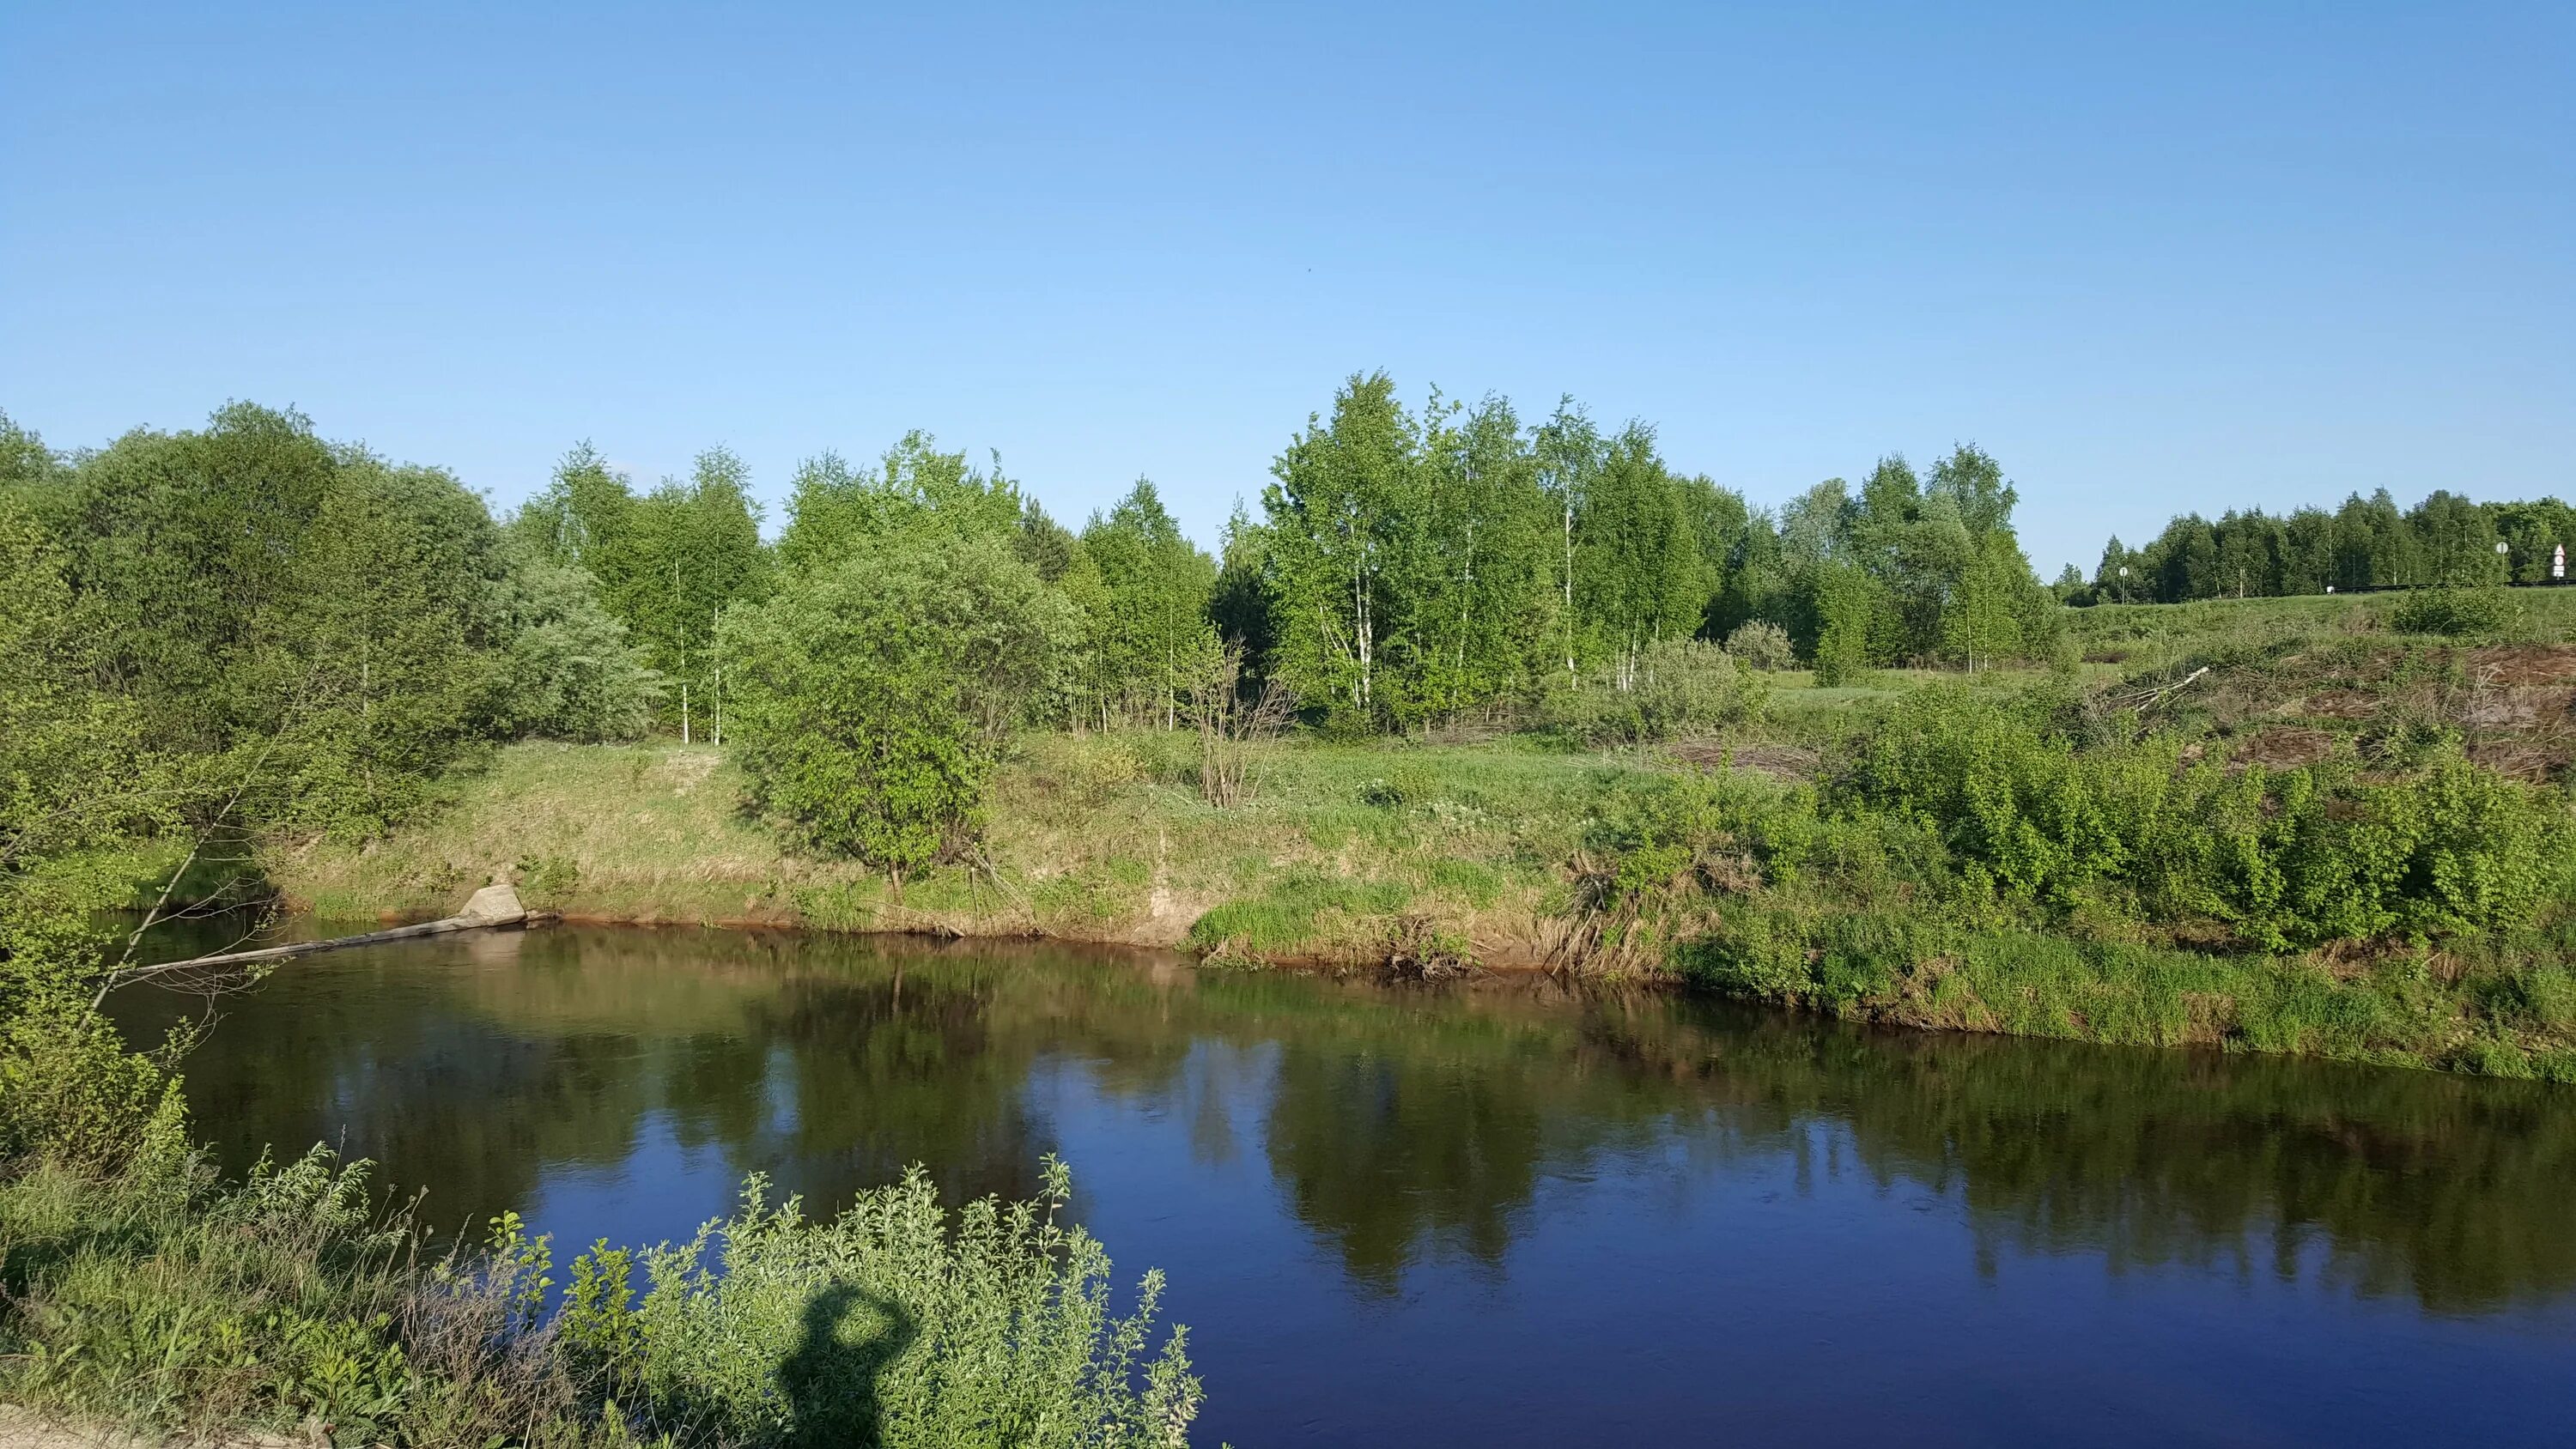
[(2281, 826), (162, 1301), (872, 700), (1409, 571), (211, 643)]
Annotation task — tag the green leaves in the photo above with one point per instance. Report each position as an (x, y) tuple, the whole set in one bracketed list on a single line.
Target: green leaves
[(1146, 592), (871, 698), (893, 1324), (666, 565), (2283, 859), (835, 511)]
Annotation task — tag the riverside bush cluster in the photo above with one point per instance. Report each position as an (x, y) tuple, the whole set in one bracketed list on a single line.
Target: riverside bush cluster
[(872, 698), (2141, 829), (1955, 816), (881, 1326)]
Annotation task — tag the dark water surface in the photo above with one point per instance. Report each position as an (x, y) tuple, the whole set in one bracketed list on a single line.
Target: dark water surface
[(1509, 1214)]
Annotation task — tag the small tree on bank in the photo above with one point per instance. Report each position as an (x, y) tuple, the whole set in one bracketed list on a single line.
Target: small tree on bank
[(871, 699)]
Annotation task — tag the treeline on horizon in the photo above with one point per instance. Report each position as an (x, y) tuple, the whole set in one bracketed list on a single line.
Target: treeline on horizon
[(1406, 566), (2445, 541)]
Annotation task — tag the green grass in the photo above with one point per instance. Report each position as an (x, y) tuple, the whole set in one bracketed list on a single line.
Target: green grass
[(1092, 837), (2542, 615)]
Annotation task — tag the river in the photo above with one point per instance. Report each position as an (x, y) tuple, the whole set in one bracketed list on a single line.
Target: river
[(1507, 1213)]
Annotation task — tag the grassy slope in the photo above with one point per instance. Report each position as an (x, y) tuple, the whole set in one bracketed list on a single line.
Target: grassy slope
[(1091, 838)]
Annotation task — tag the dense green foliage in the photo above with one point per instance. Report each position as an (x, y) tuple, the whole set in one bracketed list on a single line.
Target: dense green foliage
[(2045, 861), (207, 639), (1672, 687), (1144, 592), (1422, 566), (2446, 541), (885, 1325), (873, 694), (2132, 828), (308, 632), (667, 563)]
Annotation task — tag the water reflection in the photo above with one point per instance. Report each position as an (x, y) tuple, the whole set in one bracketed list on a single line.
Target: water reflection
[(1505, 1214), (1395, 1122)]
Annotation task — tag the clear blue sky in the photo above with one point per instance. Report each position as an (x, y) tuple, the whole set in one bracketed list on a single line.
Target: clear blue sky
[(2154, 257)]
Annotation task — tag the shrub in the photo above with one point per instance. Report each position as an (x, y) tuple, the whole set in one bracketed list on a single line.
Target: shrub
[(1834, 961), (880, 1326), (1761, 645), (1404, 785), (2455, 611), (1672, 687), (1342, 723), (569, 672), (70, 1091), (2283, 858), (170, 1304), (871, 700)]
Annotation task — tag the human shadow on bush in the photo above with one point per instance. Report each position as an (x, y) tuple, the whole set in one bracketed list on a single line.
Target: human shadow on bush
[(830, 1383)]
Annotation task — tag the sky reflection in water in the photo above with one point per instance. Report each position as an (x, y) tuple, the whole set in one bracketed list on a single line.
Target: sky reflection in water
[(1511, 1214)]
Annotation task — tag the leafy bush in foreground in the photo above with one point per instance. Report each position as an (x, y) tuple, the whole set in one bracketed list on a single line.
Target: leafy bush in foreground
[(157, 1300), (879, 1326)]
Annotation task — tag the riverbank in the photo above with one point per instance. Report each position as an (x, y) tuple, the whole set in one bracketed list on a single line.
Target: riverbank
[(2267, 825), (1342, 854), (1702, 865)]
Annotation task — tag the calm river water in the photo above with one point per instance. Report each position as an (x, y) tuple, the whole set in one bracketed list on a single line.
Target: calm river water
[(1506, 1214)]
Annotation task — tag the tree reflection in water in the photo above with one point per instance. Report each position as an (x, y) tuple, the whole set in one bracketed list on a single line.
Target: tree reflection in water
[(1395, 1123)]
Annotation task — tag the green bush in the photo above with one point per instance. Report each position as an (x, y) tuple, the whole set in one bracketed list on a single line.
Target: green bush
[(2454, 612), (70, 1091), (2282, 858), (871, 700), (570, 672), (1833, 961), (881, 1326), (1761, 645), (1673, 687), (1404, 785), (171, 1305)]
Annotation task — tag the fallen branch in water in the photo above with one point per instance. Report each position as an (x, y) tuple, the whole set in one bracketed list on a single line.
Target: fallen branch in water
[(493, 906)]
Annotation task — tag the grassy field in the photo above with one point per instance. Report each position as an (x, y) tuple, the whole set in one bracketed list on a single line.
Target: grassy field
[(1491, 851)]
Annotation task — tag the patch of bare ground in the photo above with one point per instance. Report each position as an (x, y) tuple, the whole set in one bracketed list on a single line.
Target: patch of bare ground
[(2348, 704), (2524, 664), (21, 1429), (1788, 763), (2519, 708), (2283, 747)]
